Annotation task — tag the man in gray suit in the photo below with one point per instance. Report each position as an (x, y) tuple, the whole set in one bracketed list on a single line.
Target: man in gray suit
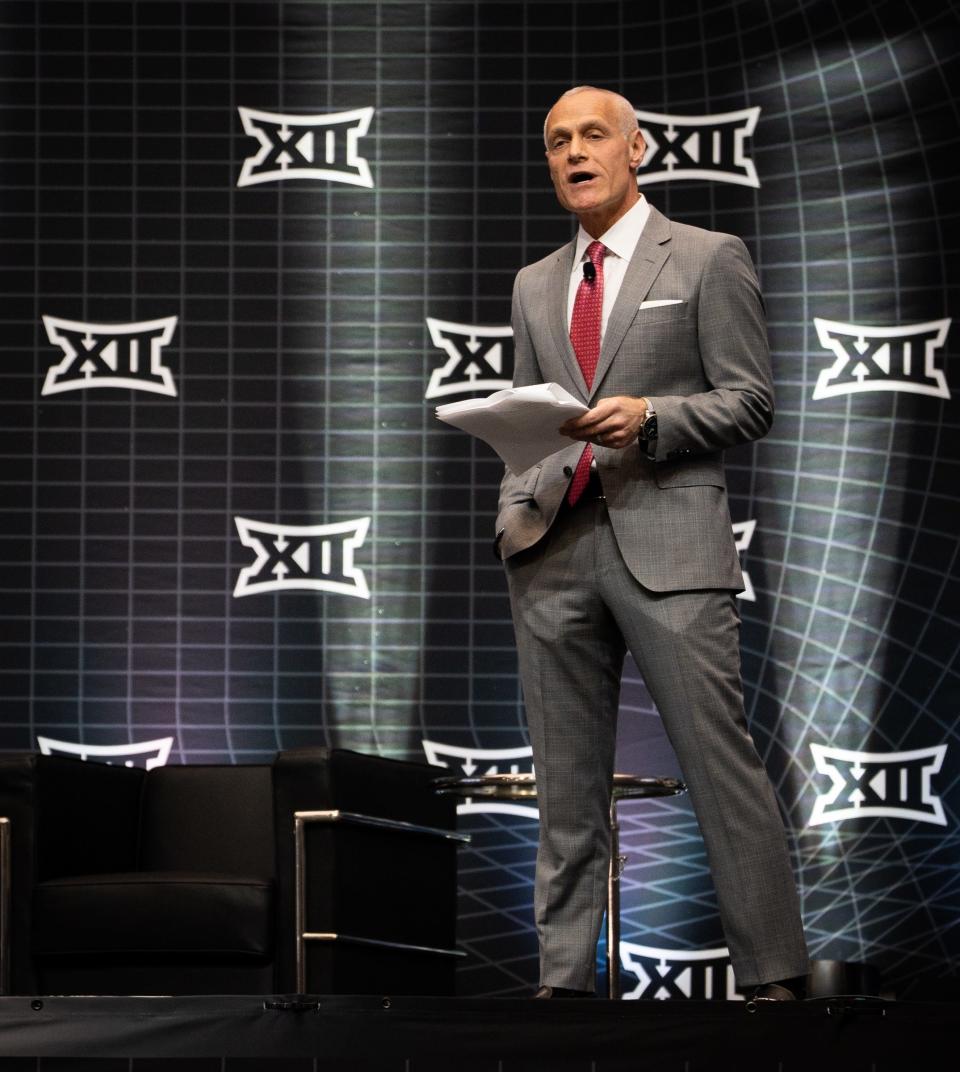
[(623, 541)]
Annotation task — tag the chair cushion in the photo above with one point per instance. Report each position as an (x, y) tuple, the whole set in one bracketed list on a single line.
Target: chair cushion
[(155, 912)]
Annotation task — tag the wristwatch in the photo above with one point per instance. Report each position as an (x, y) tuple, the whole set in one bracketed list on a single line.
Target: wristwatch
[(648, 427)]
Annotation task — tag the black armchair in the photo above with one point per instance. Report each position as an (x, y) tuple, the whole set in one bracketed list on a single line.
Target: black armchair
[(325, 872)]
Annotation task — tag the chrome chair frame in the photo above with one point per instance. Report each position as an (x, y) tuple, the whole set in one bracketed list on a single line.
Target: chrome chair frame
[(301, 819), (6, 886)]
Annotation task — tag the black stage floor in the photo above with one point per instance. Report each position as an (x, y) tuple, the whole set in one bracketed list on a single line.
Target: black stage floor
[(413, 1034)]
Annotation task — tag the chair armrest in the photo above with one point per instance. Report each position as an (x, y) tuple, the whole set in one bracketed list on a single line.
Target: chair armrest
[(373, 881), (335, 779)]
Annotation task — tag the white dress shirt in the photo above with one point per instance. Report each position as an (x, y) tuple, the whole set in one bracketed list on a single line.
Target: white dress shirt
[(621, 240)]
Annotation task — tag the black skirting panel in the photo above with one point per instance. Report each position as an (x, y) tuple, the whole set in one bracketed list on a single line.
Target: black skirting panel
[(372, 1034)]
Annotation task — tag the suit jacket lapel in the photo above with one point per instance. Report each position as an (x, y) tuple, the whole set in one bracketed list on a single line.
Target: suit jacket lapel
[(558, 292), (653, 248)]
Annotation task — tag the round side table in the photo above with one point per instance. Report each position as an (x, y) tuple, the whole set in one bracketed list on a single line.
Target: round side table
[(625, 787)]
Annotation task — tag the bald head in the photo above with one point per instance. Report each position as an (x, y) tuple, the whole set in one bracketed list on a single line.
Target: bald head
[(626, 116)]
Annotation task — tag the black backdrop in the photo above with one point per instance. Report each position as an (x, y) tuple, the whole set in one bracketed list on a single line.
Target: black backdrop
[(248, 247)]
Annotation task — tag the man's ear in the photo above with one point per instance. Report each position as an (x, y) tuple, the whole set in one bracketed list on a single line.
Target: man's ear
[(638, 149)]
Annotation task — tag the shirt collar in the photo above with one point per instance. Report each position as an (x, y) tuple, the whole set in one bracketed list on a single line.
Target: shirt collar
[(621, 239)]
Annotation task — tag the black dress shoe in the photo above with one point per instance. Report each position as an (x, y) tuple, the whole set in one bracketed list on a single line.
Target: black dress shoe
[(773, 992), (562, 992)]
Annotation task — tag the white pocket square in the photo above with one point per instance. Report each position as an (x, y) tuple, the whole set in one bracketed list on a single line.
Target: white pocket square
[(660, 301)]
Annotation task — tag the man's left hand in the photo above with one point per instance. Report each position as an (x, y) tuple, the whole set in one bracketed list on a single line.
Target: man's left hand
[(613, 422)]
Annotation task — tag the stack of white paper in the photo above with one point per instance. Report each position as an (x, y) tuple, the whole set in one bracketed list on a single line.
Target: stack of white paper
[(520, 423)]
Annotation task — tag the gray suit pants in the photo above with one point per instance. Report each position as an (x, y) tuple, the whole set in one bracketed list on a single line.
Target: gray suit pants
[(576, 610)]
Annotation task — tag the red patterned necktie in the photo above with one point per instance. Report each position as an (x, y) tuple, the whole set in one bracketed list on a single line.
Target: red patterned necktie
[(585, 336)]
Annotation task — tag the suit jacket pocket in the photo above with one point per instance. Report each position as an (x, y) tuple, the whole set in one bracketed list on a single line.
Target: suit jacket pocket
[(660, 314), (688, 473)]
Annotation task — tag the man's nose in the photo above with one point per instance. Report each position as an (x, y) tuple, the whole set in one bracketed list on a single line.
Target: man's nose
[(576, 150)]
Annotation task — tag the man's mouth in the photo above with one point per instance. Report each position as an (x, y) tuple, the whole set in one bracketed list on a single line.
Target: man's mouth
[(580, 176)]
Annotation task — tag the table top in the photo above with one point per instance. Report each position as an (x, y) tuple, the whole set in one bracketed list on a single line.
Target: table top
[(524, 786)]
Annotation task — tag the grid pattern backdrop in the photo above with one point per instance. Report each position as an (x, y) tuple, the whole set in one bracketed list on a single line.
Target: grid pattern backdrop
[(249, 246)]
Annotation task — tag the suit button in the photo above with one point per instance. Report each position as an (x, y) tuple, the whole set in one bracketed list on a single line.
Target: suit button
[(567, 471)]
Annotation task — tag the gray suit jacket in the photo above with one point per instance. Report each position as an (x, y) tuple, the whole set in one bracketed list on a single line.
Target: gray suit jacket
[(705, 366)]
